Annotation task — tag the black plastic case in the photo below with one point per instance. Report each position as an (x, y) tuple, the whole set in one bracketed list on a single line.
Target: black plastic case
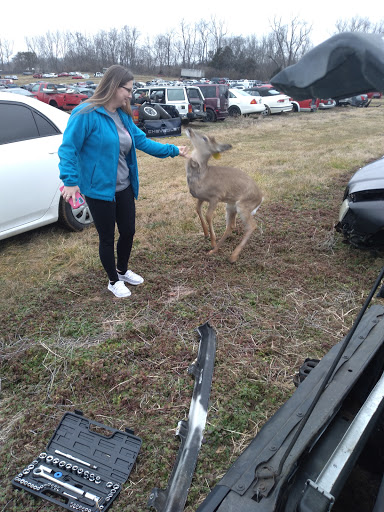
[(94, 465)]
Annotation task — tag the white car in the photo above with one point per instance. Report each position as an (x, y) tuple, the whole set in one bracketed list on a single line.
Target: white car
[(30, 136), (242, 103), (274, 101)]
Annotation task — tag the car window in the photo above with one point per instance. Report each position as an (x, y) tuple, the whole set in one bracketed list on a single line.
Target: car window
[(240, 92), (21, 122), (223, 90), (231, 95), (253, 93), (176, 95), (209, 91), (35, 87), (194, 94)]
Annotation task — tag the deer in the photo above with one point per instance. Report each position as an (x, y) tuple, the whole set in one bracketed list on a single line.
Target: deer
[(215, 184)]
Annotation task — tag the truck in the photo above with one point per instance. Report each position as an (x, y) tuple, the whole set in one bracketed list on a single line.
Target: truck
[(57, 95), (192, 73)]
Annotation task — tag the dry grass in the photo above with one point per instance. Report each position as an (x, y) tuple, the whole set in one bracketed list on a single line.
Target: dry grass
[(295, 291)]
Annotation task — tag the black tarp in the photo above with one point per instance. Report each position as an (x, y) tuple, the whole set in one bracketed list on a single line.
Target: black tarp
[(344, 65)]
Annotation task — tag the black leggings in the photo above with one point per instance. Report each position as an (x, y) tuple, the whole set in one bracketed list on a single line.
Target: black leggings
[(105, 215)]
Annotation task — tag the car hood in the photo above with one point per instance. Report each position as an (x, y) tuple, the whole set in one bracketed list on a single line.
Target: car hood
[(344, 65), (369, 177)]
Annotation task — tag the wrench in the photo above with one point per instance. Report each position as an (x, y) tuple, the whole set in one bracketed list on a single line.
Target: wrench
[(40, 472)]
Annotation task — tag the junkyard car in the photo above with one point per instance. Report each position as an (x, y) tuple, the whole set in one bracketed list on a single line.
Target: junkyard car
[(274, 101), (322, 450), (360, 100), (188, 100), (242, 103), (326, 104), (30, 135), (308, 105), (361, 217)]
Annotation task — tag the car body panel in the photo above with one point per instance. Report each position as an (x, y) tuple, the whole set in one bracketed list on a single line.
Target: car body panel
[(191, 432), (361, 216), (326, 104)]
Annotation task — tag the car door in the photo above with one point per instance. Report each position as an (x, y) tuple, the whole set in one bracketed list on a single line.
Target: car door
[(29, 174)]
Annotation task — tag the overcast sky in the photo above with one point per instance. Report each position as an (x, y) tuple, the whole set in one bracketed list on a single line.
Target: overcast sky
[(26, 18)]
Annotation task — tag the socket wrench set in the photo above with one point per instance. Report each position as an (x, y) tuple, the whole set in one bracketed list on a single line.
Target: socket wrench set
[(81, 468)]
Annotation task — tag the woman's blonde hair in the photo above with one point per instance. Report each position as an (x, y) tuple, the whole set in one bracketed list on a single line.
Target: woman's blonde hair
[(116, 76)]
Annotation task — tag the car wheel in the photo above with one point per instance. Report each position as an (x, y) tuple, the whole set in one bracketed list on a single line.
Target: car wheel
[(74, 219), (147, 112), (266, 111), (211, 116), (234, 111)]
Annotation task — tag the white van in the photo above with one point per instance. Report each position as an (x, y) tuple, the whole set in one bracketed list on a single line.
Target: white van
[(188, 100)]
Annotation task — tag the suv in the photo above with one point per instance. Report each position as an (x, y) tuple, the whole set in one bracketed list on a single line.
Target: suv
[(216, 101), (188, 100)]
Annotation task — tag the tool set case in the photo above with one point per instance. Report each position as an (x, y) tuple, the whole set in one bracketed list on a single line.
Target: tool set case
[(81, 468)]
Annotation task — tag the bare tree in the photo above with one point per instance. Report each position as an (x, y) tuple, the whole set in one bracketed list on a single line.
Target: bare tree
[(287, 43), (188, 43), (6, 51), (218, 31), (359, 24)]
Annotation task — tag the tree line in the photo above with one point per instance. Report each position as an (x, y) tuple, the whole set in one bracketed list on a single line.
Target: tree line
[(204, 44)]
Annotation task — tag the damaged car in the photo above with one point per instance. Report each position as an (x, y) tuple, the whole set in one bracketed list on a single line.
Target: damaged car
[(323, 449), (361, 217)]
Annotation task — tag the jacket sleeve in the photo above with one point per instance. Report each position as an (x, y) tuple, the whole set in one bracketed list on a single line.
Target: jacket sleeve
[(73, 139), (152, 147)]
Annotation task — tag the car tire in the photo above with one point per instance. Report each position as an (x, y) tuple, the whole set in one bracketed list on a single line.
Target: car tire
[(74, 219), (147, 112), (211, 116), (162, 112), (267, 111), (234, 111)]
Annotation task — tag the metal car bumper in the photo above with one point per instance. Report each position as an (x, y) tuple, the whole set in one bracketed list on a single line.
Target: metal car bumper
[(361, 222), (173, 498)]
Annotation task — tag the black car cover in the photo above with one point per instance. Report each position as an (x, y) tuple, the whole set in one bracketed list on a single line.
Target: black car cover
[(347, 64)]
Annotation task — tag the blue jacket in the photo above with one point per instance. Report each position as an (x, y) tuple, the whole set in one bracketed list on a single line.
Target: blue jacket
[(89, 152)]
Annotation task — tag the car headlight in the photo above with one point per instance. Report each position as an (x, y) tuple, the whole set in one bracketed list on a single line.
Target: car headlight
[(343, 209)]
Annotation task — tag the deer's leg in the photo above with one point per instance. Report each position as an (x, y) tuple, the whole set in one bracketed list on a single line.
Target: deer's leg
[(209, 216), (250, 226), (230, 216), (198, 209), (231, 224)]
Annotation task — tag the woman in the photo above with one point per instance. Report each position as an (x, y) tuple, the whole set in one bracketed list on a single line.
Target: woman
[(98, 158)]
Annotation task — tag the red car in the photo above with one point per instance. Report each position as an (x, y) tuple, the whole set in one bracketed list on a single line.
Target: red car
[(38, 75), (310, 105)]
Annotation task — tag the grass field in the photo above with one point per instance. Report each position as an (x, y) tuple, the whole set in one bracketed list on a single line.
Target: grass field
[(67, 343)]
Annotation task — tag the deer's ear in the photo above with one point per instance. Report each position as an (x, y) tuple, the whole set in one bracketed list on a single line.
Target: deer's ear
[(193, 163)]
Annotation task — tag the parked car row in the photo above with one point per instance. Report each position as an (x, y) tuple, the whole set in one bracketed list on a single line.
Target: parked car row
[(31, 133)]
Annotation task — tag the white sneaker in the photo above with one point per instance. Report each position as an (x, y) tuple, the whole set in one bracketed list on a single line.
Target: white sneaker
[(131, 278), (119, 289)]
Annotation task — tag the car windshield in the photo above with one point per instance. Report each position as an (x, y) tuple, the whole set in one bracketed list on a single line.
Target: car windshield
[(240, 92)]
